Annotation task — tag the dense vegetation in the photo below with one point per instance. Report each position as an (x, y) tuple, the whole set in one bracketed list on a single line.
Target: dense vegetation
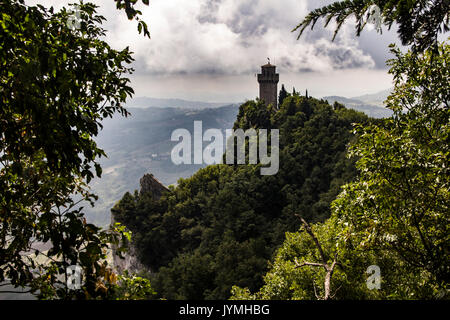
[(394, 218), (221, 226), (396, 215), (57, 83), (391, 222)]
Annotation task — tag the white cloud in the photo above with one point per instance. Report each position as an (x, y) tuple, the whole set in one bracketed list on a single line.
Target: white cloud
[(232, 36), (228, 38)]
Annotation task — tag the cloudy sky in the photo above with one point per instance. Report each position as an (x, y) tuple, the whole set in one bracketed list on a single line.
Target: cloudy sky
[(210, 50)]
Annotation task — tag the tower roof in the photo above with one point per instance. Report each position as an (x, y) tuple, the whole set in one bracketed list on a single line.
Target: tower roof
[(268, 65)]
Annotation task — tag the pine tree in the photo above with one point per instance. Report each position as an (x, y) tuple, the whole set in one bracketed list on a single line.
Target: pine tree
[(283, 94)]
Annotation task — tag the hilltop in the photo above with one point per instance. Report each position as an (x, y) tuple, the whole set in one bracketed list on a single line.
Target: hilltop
[(222, 225)]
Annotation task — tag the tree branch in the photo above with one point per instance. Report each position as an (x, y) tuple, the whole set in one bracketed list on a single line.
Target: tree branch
[(329, 269), (311, 233), (313, 264)]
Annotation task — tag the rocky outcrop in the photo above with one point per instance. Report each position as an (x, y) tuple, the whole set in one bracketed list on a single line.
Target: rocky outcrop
[(149, 184), (130, 261)]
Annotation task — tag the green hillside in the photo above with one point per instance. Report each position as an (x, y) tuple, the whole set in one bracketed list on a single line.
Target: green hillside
[(221, 226)]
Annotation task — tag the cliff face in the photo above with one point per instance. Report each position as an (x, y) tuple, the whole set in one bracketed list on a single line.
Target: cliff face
[(130, 262)]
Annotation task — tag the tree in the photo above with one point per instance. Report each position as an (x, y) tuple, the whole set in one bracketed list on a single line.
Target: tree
[(399, 205), (305, 107), (283, 95), (401, 201), (298, 270), (291, 106), (419, 21), (253, 114), (57, 84), (132, 287), (329, 268), (295, 272), (396, 215)]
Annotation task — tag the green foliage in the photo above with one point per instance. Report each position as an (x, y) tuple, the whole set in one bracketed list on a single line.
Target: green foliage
[(132, 287), (57, 85), (286, 281), (133, 13), (401, 201), (253, 114), (396, 215), (221, 226), (419, 21)]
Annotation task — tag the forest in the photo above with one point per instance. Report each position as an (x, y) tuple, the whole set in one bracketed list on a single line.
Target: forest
[(221, 226)]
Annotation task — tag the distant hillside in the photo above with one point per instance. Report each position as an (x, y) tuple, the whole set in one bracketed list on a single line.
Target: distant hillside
[(147, 102), (370, 104), (371, 110), (376, 99), (343, 100), (141, 144)]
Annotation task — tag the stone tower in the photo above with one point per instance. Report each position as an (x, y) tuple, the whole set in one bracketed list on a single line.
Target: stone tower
[(268, 82)]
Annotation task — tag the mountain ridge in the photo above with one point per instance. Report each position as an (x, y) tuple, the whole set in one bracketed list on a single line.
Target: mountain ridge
[(370, 104), (144, 102)]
